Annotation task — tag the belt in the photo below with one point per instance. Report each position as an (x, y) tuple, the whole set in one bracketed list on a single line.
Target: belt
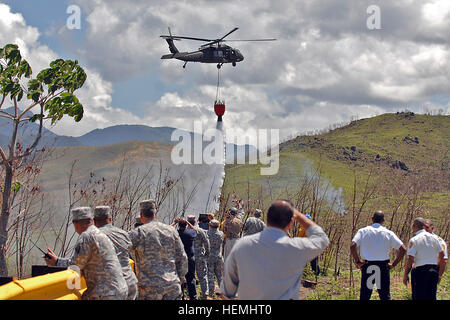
[(377, 261), (427, 266)]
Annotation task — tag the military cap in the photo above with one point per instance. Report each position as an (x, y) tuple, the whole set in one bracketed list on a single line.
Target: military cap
[(191, 218), (258, 213), (81, 213), (147, 205), (214, 223), (233, 211), (102, 212)]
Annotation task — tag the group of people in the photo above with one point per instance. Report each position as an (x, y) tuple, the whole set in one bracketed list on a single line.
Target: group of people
[(207, 243), (426, 258), (237, 253)]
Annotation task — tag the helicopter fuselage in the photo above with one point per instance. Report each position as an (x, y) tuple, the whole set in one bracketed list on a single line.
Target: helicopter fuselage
[(211, 54)]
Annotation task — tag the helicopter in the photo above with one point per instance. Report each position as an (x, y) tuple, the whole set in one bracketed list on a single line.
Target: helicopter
[(214, 51)]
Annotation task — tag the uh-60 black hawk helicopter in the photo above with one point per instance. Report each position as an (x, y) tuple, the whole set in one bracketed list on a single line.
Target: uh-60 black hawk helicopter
[(212, 52)]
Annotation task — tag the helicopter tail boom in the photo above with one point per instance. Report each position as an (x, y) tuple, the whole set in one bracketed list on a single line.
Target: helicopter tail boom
[(168, 56)]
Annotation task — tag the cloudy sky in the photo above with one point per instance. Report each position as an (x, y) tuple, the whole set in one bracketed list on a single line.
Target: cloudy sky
[(326, 67)]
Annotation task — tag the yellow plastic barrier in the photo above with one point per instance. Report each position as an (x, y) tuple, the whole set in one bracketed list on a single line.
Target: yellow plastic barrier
[(52, 286)]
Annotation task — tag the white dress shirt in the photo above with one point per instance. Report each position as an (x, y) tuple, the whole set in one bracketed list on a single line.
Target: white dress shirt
[(425, 248), (375, 242), (268, 265), (443, 245)]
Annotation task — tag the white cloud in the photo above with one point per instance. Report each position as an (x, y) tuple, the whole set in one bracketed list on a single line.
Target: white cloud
[(95, 95), (325, 67)]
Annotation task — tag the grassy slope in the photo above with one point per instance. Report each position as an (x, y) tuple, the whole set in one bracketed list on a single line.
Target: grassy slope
[(332, 153)]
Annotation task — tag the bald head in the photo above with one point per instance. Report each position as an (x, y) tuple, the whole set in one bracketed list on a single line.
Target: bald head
[(280, 214)]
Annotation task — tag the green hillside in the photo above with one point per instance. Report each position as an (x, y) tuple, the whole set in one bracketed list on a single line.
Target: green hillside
[(401, 144)]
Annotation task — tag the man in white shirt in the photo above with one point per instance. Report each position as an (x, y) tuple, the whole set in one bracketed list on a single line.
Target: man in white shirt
[(425, 251), (268, 265), (429, 227), (375, 243)]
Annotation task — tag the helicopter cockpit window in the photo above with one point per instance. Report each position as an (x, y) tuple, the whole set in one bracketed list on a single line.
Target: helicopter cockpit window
[(218, 53)]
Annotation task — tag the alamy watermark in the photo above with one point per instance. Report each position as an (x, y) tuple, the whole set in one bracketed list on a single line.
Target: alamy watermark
[(73, 22), (207, 147), (74, 281), (373, 21), (375, 277)]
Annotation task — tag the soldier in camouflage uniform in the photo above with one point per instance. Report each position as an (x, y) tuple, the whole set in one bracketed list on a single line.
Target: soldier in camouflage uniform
[(201, 250), (160, 260), (96, 258), (253, 224), (215, 261), (122, 244), (232, 230)]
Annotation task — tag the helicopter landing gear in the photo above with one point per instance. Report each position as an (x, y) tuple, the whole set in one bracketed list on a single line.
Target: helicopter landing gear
[(184, 65), (234, 64), (219, 65)]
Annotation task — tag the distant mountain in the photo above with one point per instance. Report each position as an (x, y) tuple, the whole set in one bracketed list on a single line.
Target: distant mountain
[(125, 133), (27, 133), (106, 136)]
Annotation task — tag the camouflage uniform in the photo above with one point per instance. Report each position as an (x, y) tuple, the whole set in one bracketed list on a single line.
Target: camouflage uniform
[(201, 250), (96, 258), (253, 225), (160, 261), (231, 229), (122, 244), (215, 261)]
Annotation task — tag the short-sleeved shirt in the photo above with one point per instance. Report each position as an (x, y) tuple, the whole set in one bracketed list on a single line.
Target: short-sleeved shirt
[(443, 245), (375, 242), (425, 248)]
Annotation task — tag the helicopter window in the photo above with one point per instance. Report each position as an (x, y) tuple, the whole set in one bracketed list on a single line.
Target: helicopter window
[(218, 53)]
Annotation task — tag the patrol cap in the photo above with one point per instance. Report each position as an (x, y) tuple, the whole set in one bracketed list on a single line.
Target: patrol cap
[(147, 208), (102, 212), (258, 213), (233, 211), (81, 213), (147, 205), (214, 223), (191, 218)]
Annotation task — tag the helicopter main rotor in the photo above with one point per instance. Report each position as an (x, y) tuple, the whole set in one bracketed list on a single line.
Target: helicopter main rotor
[(213, 41)]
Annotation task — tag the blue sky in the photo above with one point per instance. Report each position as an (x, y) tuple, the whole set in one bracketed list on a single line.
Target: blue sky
[(325, 67), (51, 15)]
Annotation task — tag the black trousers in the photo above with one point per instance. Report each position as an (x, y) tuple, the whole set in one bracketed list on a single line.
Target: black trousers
[(315, 266), (190, 279), (424, 282), (375, 272)]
